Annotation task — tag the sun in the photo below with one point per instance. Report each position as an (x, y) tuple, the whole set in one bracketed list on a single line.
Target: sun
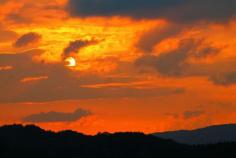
[(70, 61)]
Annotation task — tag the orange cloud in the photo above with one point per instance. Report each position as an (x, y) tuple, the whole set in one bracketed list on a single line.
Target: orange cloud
[(5, 68), (33, 79)]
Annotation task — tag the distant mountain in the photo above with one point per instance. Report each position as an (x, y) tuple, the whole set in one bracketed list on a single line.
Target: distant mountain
[(33, 142), (208, 135)]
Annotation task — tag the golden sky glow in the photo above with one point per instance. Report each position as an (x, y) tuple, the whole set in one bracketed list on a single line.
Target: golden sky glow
[(132, 74)]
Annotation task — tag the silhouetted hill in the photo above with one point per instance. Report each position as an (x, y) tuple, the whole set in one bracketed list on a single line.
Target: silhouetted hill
[(208, 135), (33, 142)]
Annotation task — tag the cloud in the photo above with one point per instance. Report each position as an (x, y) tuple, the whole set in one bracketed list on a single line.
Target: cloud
[(75, 46), (225, 79), (175, 63), (57, 116), (154, 36), (5, 68), (192, 114), (27, 39), (24, 13), (33, 79), (175, 10)]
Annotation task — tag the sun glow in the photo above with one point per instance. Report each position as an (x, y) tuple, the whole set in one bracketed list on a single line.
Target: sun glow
[(70, 62)]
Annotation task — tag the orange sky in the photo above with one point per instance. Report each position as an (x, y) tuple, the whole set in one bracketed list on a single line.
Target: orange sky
[(131, 74)]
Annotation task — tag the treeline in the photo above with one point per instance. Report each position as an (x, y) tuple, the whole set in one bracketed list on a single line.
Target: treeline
[(33, 142)]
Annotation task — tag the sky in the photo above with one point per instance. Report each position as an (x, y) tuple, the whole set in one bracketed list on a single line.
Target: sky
[(106, 65)]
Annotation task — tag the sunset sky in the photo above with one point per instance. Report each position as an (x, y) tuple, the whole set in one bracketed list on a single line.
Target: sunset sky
[(109, 65)]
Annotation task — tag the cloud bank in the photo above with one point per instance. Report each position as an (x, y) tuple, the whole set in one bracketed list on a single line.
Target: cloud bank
[(175, 10), (175, 63), (41, 82)]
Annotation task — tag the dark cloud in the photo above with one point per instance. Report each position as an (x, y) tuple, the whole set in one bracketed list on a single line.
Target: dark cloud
[(175, 10), (57, 116), (75, 46), (62, 83), (225, 79), (175, 63), (27, 39), (192, 114), (146, 61), (154, 36)]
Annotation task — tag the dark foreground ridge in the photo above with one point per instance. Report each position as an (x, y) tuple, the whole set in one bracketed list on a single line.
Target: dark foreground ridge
[(32, 142)]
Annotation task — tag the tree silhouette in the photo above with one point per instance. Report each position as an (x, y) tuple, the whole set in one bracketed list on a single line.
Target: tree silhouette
[(33, 142)]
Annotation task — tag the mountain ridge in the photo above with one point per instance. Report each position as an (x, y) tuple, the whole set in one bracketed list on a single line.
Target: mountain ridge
[(207, 135)]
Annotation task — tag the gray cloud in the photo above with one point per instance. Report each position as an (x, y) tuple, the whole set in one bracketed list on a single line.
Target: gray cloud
[(75, 46), (27, 39), (176, 10), (53, 116), (149, 39), (192, 114), (225, 79), (175, 63)]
